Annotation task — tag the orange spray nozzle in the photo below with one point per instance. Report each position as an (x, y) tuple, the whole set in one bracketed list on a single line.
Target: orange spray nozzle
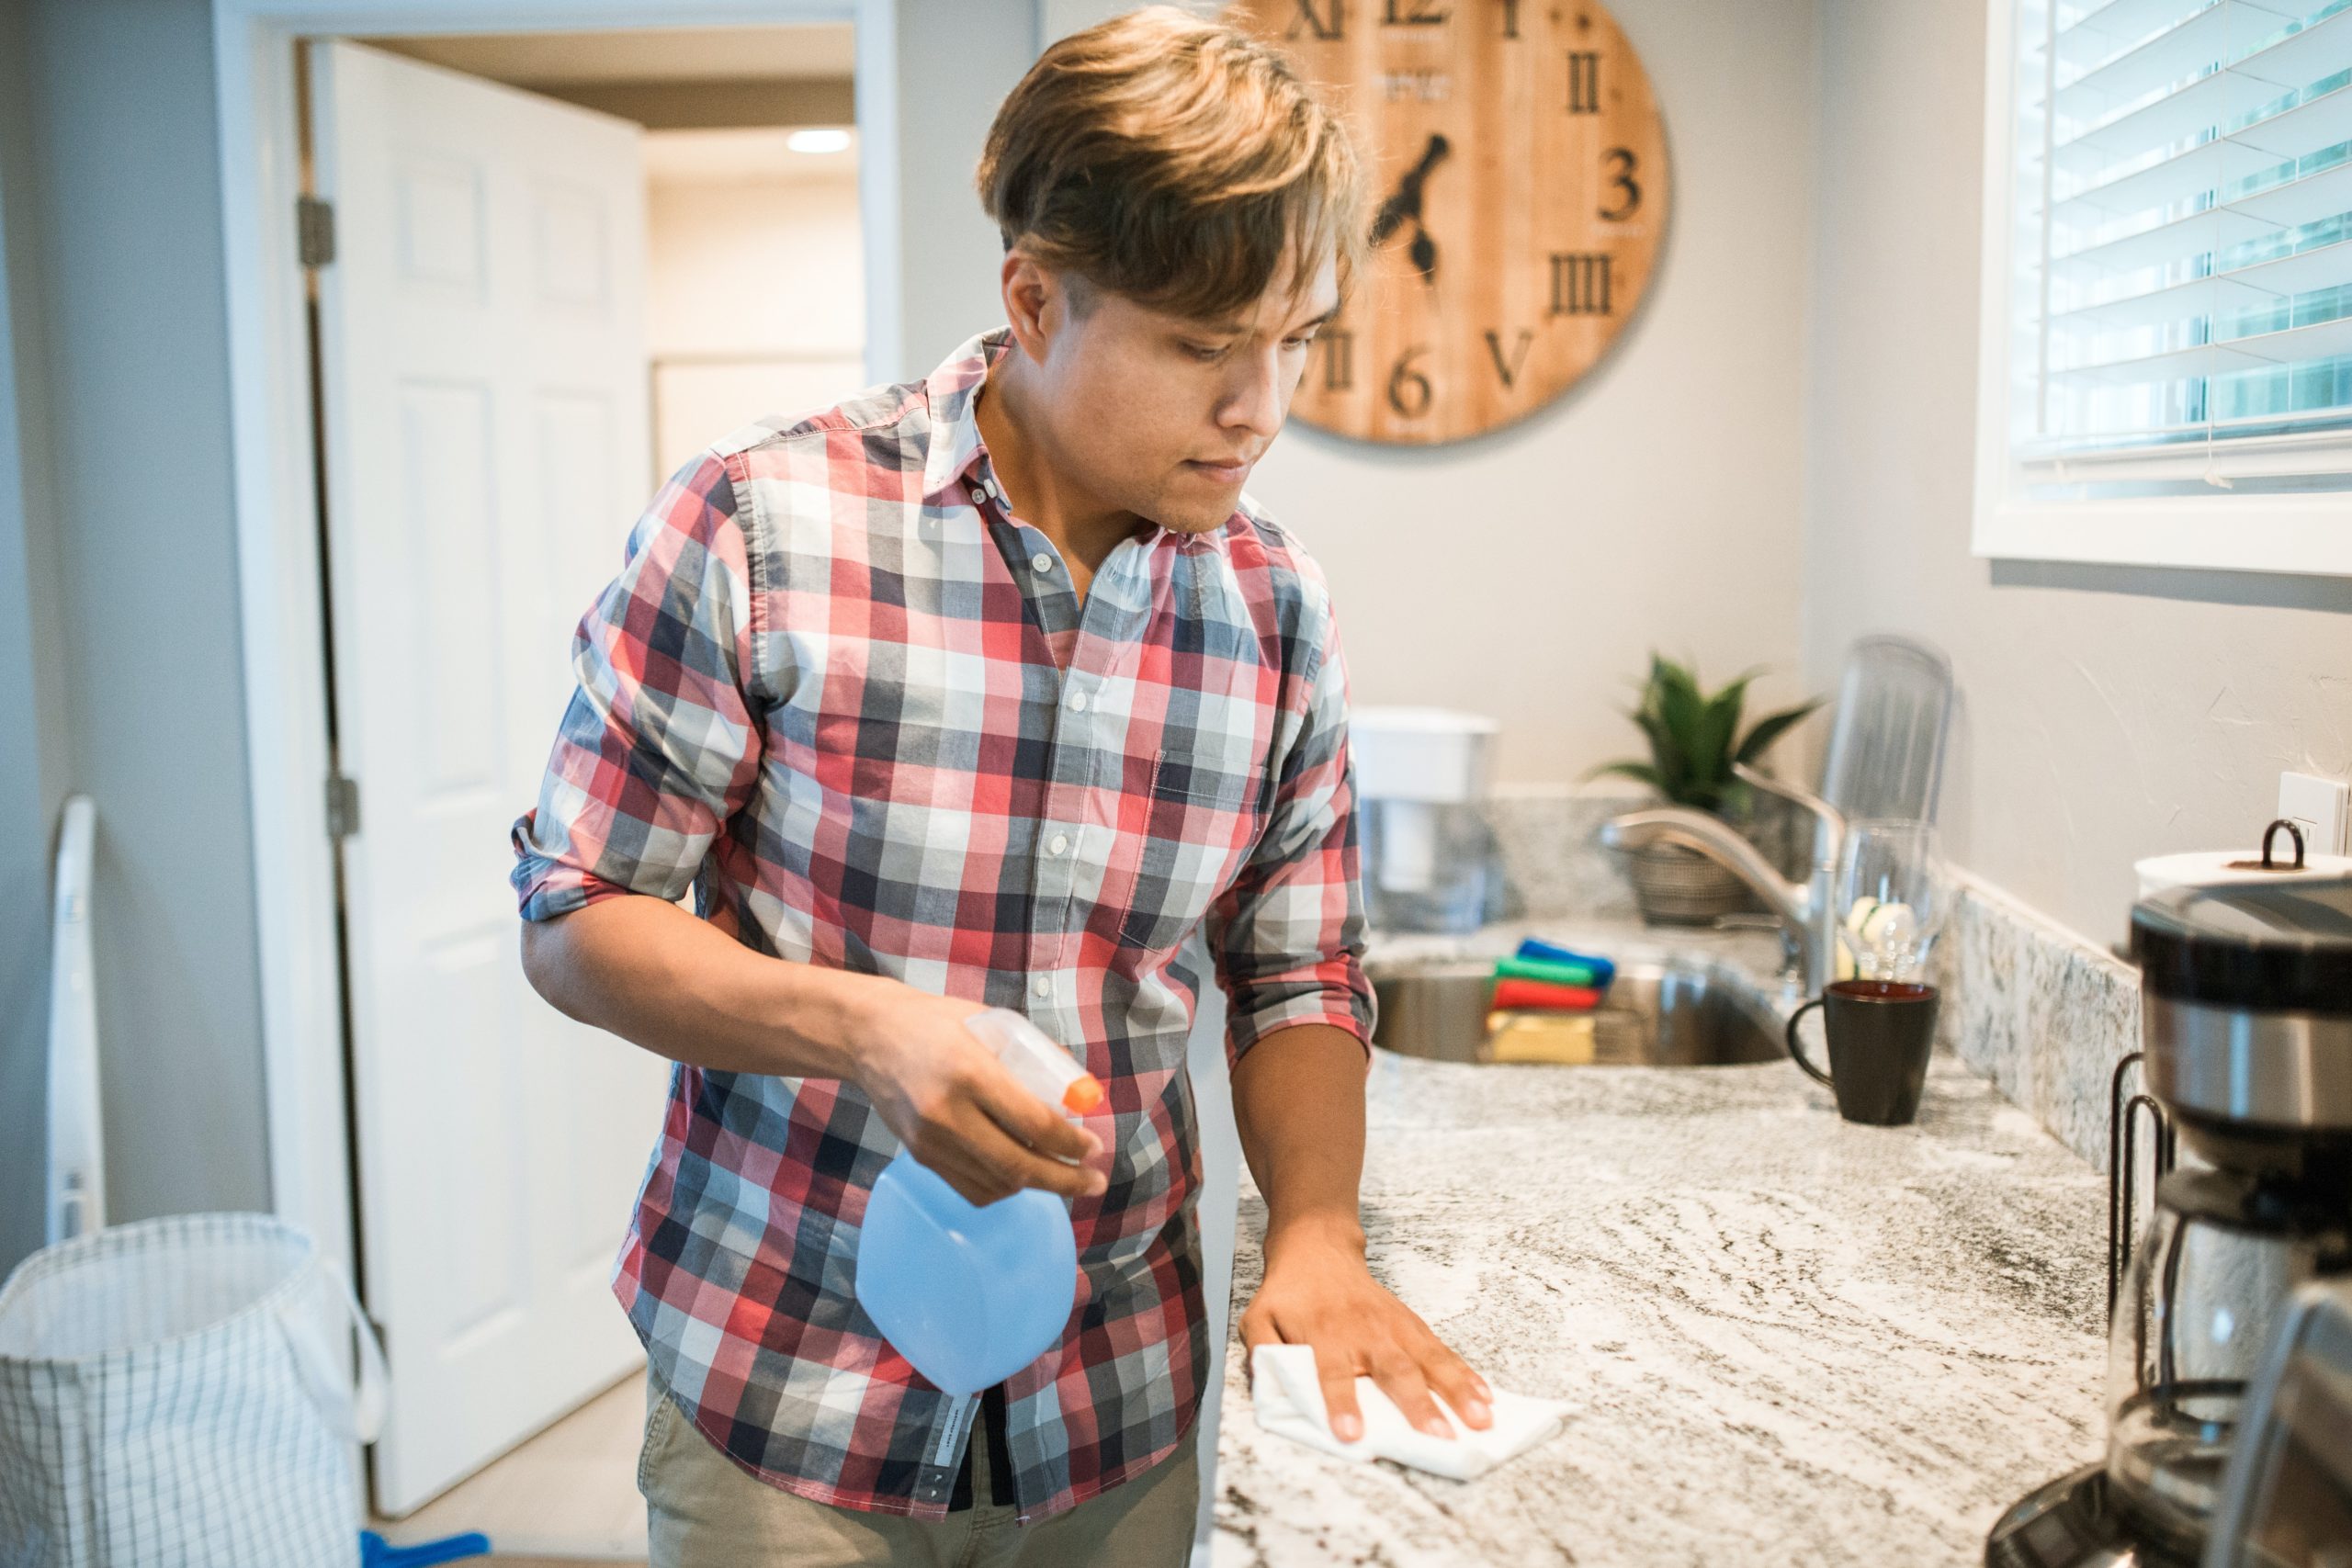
[(1084, 1093)]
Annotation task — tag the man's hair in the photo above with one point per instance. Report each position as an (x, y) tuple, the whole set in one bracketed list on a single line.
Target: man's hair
[(1171, 160)]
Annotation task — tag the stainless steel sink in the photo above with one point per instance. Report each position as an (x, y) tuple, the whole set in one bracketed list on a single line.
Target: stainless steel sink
[(1662, 1014)]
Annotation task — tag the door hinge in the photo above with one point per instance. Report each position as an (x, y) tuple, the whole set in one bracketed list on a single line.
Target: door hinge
[(314, 229), (342, 807)]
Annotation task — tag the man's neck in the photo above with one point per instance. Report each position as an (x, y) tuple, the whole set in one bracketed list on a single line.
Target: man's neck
[(1085, 532)]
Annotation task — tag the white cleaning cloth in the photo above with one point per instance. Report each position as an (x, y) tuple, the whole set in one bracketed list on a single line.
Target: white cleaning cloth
[(1288, 1400)]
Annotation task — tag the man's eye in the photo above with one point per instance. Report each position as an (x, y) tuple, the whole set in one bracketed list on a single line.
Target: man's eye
[(1302, 341), (1198, 352)]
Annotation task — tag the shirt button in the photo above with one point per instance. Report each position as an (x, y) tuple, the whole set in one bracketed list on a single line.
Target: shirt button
[(1061, 842), (1042, 986), (1041, 562), (976, 493), (1078, 701)]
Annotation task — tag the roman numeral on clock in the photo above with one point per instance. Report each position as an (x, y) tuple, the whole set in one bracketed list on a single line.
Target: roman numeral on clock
[(1508, 369), (1326, 24), (1584, 82), (1580, 284), (1338, 359)]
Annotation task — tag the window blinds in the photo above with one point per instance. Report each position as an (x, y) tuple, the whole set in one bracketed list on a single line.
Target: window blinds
[(2182, 230)]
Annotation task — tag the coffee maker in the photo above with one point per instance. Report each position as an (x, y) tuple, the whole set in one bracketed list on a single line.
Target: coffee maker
[(2246, 1036)]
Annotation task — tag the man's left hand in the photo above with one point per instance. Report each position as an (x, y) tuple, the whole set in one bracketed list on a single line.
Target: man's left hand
[(1318, 1292)]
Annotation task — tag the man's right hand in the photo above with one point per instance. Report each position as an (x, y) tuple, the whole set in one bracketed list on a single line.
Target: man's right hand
[(958, 1110), (650, 972)]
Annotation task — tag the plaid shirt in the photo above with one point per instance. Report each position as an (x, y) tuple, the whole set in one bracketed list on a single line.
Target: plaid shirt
[(850, 699)]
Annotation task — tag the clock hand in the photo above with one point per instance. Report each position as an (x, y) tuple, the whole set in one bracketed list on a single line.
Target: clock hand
[(1407, 203), (1424, 254)]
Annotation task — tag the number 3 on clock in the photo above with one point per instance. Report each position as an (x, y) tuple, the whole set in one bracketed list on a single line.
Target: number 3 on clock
[(1622, 164)]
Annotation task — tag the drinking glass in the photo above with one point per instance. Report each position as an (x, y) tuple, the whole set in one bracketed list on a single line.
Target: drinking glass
[(1892, 898)]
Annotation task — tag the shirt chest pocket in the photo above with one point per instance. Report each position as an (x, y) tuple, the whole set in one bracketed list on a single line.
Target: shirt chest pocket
[(1206, 806)]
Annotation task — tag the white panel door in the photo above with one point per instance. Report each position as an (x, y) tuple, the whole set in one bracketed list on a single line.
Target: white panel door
[(483, 373)]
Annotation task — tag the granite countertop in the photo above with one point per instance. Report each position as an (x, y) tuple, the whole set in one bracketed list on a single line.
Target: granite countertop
[(1784, 1338)]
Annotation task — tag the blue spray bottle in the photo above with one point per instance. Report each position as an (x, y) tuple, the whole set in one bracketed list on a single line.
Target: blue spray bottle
[(971, 1296)]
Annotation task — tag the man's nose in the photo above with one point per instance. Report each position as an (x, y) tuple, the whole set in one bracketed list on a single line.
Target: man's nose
[(1256, 405)]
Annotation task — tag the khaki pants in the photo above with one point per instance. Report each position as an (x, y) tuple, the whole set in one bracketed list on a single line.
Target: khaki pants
[(704, 1511)]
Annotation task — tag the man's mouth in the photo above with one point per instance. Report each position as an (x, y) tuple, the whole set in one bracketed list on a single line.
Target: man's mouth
[(1224, 473)]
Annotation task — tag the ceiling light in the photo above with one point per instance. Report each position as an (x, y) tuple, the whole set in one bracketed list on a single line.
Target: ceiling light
[(825, 141)]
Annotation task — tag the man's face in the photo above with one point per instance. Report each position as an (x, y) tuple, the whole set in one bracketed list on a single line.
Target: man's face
[(1164, 416)]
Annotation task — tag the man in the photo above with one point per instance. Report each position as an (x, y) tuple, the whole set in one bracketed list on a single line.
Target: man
[(987, 689)]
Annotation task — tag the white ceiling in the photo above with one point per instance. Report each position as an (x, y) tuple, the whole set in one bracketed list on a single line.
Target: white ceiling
[(725, 157), (801, 51)]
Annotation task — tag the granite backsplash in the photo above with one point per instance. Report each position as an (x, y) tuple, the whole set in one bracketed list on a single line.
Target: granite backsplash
[(2041, 1012), (1547, 846)]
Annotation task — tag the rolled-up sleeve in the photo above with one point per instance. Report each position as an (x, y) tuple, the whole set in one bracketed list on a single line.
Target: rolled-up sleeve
[(1288, 935), (659, 745)]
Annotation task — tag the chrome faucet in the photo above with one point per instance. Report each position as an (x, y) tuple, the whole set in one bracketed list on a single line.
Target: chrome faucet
[(1807, 912)]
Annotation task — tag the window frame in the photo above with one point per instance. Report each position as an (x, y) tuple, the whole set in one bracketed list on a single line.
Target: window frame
[(2308, 534)]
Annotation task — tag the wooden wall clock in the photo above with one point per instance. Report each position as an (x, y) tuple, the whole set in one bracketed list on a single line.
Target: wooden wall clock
[(1518, 177)]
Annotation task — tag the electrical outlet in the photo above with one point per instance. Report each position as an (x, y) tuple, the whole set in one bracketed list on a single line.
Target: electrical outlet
[(2319, 807)]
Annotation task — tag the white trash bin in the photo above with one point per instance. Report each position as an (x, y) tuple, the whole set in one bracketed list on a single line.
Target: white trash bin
[(173, 1392)]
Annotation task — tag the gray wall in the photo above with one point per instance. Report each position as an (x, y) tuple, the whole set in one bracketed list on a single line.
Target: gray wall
[(32, 763), (2110, 714), (958, 59), (113, 217)]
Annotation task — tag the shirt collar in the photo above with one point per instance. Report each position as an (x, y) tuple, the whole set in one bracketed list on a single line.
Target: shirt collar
[(955, 447), (954, 427)]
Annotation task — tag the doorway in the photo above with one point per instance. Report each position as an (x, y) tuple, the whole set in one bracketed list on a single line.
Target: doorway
[(755, 267), (532, 291)]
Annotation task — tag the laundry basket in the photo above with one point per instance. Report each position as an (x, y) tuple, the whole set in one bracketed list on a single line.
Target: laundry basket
[(173, 1392)]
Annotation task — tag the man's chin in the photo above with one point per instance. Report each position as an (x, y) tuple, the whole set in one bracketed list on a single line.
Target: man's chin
[(1194, 518)]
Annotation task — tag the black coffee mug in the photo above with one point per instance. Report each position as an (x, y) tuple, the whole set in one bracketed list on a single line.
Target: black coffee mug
[(1880, 1034)]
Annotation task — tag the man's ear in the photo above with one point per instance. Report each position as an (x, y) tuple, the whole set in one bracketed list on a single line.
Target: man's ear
[(1036, 303)]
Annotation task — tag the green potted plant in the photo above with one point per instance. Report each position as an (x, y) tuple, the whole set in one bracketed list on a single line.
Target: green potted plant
[(1694, 738)]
